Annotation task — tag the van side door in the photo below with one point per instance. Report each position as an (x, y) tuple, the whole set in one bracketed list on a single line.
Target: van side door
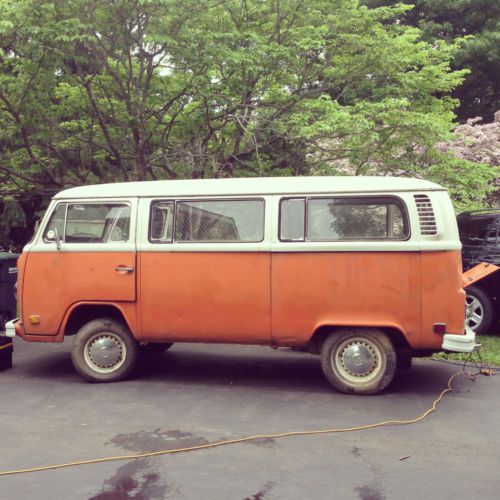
[(204, 270)]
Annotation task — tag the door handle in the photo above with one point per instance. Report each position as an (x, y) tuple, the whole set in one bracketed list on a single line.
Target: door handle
[(124, 269)]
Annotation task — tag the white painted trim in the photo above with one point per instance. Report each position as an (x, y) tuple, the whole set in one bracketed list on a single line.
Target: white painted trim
[(257, 186), (116, 247), (446, 239), (303, 247)]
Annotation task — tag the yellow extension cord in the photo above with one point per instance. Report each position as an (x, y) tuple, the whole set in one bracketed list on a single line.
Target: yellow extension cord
[(248, 438)]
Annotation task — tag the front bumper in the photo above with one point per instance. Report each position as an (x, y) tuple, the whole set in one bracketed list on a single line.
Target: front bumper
[(460, 343)]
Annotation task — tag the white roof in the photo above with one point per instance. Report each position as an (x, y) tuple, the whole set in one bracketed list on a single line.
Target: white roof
[(250, 186)]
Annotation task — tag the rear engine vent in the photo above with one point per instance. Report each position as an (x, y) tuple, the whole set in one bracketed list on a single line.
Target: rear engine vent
[(425, 214)]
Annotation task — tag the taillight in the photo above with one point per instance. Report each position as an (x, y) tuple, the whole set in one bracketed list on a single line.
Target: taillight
[(439, 327)]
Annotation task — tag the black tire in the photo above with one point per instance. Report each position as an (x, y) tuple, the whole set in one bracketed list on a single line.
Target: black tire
[(357, 361), (479, 312), (155, 347), (104, 351)]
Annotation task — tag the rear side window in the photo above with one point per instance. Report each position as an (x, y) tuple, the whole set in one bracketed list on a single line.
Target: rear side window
[(293, 219), (338, 219), (89, 223)]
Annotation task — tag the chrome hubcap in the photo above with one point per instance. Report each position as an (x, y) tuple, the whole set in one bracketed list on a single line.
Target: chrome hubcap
[(359, 359), (105, 352), (474, 312)]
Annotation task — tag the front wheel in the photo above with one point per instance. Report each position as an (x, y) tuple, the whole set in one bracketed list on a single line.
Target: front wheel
[(104, 351), (358, 361)]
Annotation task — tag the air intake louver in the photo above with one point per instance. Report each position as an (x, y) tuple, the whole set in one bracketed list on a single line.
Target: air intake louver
[(425, 215)]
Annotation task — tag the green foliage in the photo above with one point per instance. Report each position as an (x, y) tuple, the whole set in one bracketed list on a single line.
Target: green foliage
[(479, 22), (490, 351), (99, 91), (469, 183)]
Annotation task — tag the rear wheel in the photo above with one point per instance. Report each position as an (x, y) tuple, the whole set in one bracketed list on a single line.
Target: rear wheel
[(478, 310), (358, 361), (104, 351)]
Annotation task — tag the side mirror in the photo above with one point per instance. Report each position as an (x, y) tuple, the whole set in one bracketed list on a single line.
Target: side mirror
[(52, 235)]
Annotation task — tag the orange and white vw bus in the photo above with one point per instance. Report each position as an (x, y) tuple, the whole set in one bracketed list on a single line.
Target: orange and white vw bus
[(365, 271)]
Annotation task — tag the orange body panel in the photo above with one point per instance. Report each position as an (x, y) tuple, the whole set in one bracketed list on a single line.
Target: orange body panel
[(409, 291), (352, 288), (54, 281), (209, 296), (443, 298), (248, 297)]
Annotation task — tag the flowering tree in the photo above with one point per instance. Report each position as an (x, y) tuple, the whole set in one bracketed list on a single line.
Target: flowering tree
[(476, 142)]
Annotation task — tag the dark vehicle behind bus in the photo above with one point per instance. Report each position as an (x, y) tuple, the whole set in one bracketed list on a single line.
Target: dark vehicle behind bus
[(8, 305), (479, 233)]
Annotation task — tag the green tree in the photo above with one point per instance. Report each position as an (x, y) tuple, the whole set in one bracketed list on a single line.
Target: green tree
[(479, 94), (99, 91)]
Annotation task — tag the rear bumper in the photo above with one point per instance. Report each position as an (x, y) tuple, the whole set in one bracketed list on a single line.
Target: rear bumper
[(10, 328), (459, 343)]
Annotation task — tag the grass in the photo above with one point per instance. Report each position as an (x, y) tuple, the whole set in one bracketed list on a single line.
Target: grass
[(490, 350)]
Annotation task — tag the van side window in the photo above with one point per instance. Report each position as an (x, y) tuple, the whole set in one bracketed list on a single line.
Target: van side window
[(219, 220), (292, 219), (97, 223), (348, 218), (161, 222)]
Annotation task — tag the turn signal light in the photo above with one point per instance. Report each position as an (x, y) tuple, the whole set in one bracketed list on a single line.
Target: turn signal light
[(34, 319)]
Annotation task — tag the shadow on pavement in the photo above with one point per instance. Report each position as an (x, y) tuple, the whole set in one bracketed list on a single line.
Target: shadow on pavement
[(226, 365)]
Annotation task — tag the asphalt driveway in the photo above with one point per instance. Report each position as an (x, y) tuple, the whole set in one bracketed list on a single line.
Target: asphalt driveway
[(195, 394)]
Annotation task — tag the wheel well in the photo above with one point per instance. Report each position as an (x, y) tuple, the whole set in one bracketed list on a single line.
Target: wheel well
[(316, 341), (87, 312)]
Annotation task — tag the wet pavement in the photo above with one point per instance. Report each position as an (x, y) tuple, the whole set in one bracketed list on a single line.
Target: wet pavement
[(196, 394)]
